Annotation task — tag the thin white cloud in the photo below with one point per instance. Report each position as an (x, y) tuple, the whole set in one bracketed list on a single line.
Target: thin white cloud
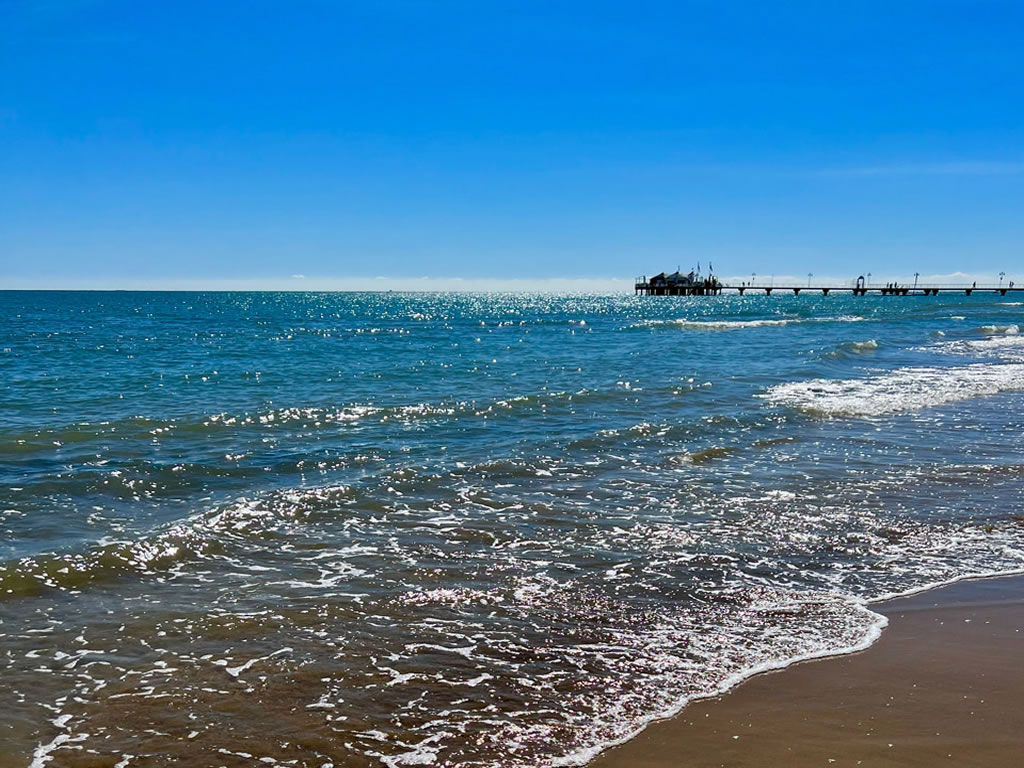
[(964, 168), (571, 285), (312, 283)]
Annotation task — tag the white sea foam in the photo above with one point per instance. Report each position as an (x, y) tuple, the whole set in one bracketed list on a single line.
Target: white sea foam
[(871, 635), (236, 671), (735, 325), (1006, 347), (858, 347), (1009, 330), (853, 348), (458, 608), (899, 391), (873, 631), (44, 752), (651, 668)]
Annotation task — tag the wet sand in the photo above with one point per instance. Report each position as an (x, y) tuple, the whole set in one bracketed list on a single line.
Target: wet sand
[(944, 685)]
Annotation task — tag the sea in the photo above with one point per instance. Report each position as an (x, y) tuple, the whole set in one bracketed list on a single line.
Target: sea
[(489, 530)]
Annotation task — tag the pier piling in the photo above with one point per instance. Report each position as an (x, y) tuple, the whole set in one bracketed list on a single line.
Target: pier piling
[(677, 285)]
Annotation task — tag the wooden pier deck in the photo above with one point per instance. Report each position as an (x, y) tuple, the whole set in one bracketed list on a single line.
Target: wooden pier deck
[(708, 288)]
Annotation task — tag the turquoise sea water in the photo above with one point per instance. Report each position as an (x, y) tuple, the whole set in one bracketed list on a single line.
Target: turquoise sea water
[(469, 530)]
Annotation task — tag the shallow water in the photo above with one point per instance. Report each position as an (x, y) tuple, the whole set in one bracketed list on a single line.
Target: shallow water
[(475, 530)]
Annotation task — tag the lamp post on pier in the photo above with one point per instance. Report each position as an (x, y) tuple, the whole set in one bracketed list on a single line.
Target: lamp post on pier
[(916, 275), (809, 276), (1001, 276)]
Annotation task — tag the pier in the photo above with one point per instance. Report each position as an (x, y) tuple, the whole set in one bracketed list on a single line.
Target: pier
[(678, 284)]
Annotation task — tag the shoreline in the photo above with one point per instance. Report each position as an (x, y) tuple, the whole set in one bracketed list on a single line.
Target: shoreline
[(799, 711)]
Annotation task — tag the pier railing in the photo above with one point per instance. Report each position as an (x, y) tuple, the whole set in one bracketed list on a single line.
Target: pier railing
[(643, 287)]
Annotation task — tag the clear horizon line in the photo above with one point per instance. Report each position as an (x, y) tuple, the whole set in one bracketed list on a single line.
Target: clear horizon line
[(423, 284)]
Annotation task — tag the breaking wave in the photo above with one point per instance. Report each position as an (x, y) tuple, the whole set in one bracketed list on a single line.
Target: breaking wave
[(734, 325), (1004, 347), (900, 391), (849, 348), (217, 532), (478, 538), (1010, 329), (621, 614)]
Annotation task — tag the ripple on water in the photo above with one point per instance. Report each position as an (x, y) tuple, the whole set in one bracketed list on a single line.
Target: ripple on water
[(504, 531)]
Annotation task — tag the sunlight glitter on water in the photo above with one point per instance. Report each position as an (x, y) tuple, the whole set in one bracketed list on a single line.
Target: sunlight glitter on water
[(398, 545)]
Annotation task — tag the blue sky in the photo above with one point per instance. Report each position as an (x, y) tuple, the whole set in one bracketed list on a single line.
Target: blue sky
[(163, 143)]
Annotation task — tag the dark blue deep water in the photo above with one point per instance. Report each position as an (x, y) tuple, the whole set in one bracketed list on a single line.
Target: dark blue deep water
[(394, 529)]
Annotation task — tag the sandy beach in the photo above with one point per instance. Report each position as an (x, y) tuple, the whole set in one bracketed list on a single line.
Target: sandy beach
[(943, 686)]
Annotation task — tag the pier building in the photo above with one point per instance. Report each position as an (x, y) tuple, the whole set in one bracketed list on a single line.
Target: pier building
[(692, 284)]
